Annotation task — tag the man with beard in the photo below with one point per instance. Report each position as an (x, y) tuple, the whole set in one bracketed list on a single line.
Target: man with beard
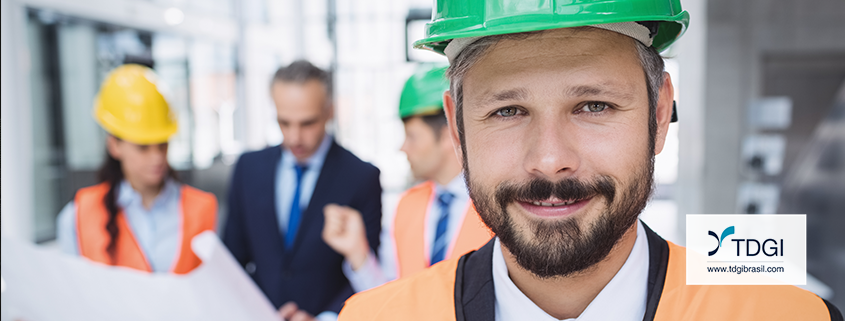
[(558, 112)]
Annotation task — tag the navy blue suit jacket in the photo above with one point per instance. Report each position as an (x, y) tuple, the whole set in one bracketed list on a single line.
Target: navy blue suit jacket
[(309, 274)]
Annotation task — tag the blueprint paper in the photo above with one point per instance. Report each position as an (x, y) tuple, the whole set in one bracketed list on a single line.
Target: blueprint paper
[(44, 285)]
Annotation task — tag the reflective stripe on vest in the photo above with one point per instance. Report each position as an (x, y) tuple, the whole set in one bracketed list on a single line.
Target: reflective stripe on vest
[(199, 212), (412, 254), (430, 295)]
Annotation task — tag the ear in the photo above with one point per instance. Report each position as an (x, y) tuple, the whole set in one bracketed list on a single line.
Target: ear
[(664, 112), (452, 125), (112, 146)]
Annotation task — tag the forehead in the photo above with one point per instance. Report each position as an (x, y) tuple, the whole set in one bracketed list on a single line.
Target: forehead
[(570, 57), (299, 98)]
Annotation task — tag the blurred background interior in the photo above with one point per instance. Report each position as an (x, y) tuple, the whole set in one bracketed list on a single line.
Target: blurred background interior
[(760, 87)]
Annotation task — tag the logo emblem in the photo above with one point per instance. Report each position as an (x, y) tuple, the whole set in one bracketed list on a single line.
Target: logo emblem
[(725, 233)]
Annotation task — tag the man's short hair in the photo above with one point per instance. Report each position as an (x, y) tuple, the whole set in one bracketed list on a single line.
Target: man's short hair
[(302, 71), (434, 121)]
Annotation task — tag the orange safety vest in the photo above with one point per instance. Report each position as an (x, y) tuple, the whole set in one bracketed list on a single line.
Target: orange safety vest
[(199, 212), (442, 293), (412, 254), (680, 301)]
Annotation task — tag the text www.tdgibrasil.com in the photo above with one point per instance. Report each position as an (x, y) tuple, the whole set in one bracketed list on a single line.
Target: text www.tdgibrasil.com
[(739, 269)]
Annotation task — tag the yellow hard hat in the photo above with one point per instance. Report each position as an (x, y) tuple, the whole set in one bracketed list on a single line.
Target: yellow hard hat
[(130, 107)]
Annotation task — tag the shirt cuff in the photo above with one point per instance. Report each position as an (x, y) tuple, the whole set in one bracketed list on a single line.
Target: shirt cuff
[(327, 316), (367, 276)]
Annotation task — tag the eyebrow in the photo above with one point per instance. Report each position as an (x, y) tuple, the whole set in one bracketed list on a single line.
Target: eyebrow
[(304, 122), (510, 94), (599, 90), (576, 91)]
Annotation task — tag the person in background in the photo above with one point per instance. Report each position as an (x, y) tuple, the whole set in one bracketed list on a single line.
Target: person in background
[(138, 216), (277, 196), (434, 220)]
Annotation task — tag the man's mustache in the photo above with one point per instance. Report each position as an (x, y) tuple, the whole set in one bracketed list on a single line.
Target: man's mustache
[(538, 189)]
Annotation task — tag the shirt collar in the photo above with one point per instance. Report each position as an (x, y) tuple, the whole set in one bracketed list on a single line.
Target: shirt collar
[(315, 161), (623, 298), (127, 195)]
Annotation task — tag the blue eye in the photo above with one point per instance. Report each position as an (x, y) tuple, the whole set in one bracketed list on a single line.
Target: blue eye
[(507, 112), (594, 107)]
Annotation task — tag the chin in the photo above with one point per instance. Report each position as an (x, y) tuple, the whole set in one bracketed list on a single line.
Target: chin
[(155, 180)]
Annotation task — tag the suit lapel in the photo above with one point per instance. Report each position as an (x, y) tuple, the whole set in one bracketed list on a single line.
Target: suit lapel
[(265, 199), (313, 213)]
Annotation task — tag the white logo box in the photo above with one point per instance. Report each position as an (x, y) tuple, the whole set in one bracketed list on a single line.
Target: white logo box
[(779, 241)]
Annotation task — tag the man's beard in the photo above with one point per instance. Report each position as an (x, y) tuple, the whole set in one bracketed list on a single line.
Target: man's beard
[(560, 247)]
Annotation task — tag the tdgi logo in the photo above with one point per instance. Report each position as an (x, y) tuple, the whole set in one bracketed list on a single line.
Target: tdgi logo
[(725, 233), (770, 249), (775, 251)]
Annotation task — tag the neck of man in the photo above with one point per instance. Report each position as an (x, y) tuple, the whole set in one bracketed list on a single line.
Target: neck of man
[(303, 159), (449, 169), (568, 297)]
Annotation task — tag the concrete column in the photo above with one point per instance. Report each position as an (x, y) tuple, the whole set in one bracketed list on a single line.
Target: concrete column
[(691, 53)]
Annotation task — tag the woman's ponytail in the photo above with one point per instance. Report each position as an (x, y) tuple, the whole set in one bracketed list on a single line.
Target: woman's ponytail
[(112, 174)]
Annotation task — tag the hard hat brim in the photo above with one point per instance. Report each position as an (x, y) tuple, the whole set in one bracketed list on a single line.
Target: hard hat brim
[(148, 137), (669, 30)]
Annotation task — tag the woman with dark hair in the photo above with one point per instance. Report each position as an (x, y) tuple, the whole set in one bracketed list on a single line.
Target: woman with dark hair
[(138, 216)]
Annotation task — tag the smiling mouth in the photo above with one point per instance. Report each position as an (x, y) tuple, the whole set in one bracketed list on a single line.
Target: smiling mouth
[(554, 207), (570, 202), (555, 201)]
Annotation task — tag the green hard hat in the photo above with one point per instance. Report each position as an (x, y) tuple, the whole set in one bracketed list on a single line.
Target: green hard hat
[(476, 18), (423, 92)]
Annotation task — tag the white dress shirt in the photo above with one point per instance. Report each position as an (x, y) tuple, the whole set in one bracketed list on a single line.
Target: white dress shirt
[(286, 185), (156, 229), (286, 181), (457, 211), (623, 298), (372, 274)]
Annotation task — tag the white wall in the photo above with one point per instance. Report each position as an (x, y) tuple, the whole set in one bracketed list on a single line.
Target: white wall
[(16, 201)]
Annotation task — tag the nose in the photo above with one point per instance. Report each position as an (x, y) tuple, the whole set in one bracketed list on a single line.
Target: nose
[(552, 151), (405, 146), (293, 136), (158, 153)]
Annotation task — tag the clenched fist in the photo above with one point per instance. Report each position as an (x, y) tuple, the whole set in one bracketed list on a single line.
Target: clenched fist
[(291, 312), (345, 233)]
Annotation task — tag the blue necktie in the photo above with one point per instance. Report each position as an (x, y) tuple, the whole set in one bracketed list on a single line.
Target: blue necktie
[(295, 210), (438, 249)]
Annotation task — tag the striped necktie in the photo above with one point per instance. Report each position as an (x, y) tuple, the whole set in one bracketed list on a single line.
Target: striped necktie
[(295, 210), (438, 249)]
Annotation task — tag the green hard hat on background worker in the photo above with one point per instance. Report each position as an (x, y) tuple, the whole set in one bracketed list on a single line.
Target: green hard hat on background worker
[(478, 18), (423, 92), (130, 106)]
